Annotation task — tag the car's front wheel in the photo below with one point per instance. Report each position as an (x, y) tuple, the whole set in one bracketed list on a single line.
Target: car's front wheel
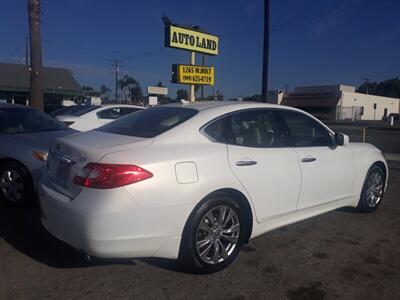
[(213, 235), (16, 186), (373, 189)]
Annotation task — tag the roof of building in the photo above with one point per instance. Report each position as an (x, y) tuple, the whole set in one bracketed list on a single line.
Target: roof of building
[(15, 78)]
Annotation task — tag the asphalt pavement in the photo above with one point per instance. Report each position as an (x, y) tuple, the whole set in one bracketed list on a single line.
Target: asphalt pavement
[(339, 255)]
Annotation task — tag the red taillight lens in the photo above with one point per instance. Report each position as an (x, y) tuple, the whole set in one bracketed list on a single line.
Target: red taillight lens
[(108, 176), (68, 123)]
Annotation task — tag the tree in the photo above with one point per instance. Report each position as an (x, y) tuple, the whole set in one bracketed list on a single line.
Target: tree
[(131, 90), (182, 94), (104, 92), (386, 88), (220, 96), (87, 88), (36, 69)]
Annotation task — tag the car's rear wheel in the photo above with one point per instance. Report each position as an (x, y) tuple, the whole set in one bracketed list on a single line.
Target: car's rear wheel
[(373, 189), (213, 235), (16, 187)]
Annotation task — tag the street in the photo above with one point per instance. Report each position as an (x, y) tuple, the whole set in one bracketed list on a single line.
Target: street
[(338, 255)]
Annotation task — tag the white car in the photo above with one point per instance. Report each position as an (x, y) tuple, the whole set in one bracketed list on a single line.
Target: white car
[(196, 181), (96, 116)]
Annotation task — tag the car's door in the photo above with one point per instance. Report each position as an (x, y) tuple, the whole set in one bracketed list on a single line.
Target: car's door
[(259, 156), (327, 170)]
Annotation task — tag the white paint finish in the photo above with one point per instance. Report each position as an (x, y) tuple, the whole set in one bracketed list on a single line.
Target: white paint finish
[(186, 172), (267, 181), (328, 178), (91, 120), (148, 218), (350, 99)]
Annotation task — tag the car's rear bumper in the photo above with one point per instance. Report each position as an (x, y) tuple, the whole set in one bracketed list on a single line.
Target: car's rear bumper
[(110, 224)]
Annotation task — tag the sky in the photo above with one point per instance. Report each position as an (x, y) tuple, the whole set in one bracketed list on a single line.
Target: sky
[(312, 42)]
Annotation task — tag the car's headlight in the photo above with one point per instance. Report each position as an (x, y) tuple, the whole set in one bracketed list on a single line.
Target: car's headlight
[(40, 155)]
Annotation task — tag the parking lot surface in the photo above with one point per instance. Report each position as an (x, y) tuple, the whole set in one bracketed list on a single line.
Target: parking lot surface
[(338, 255)]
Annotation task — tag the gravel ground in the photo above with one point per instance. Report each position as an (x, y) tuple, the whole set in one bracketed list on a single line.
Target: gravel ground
[(338, 255)]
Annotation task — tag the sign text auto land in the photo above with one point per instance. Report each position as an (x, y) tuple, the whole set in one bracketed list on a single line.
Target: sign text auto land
[(182, 38)]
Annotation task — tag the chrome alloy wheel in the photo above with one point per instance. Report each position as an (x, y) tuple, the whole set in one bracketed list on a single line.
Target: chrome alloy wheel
[(217, 234), (374, 191), (11, 185)]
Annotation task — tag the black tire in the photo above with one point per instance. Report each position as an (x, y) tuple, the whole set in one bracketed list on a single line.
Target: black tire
[(189, 257), (24, 180), (364, 204)]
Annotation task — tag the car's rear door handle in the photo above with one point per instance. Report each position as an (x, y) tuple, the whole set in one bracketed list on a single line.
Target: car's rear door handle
[(241, 163), (308, 159)]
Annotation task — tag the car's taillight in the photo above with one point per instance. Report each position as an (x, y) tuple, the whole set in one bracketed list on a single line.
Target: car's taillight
[(68, 123), (108, 176)]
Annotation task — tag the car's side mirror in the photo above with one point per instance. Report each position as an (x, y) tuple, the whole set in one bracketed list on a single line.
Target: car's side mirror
[(341, 139)]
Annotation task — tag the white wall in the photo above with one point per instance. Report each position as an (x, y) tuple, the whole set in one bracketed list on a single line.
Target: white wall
[(350, 99)]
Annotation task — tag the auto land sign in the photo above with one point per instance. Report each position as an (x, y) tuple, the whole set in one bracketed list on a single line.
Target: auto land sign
[(190, 74), (182, 38)]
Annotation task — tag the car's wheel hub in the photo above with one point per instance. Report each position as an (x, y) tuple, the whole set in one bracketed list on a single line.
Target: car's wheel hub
[(217, 234), (11, 185), (375, 189)]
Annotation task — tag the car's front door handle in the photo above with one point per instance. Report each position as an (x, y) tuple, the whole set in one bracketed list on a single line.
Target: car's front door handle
[(242, 163), (308, 159)]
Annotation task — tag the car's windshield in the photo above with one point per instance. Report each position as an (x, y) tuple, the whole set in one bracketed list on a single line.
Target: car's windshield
[(150, 122), (85, 110), (69, 110), (25, 120)]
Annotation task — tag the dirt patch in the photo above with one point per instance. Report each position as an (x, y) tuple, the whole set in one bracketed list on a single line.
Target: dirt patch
[(312, 291)]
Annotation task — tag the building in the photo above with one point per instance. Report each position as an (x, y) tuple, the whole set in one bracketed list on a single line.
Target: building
[(337, 102), (58, 84)]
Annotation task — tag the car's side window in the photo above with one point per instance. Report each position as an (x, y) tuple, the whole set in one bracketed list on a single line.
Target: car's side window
[(115, 113), (304, 131), (217, 130), (257, 128)]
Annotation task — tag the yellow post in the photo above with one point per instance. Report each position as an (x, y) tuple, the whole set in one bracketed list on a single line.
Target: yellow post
[(192, 62), (363, 135)]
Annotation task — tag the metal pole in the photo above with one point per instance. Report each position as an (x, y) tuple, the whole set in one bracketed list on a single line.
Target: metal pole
[(264, 83), (203, 61), (116, 63), (36, 71), (192, 62), (27, 51)]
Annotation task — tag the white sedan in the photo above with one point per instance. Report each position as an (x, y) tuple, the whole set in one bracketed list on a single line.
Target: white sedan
[(96, 116), (196, 181)]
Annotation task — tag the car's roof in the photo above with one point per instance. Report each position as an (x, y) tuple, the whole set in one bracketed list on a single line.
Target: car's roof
[(203, 105)]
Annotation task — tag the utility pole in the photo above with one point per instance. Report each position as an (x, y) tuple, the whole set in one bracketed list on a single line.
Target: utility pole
[(27, 52), (116, 64), (203, 61), (264, 83), (36, 69), (367, 80)]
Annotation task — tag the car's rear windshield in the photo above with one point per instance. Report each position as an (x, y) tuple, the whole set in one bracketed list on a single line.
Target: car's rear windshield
[(69, 110), (26, 120), (85, 110), (149, 123)]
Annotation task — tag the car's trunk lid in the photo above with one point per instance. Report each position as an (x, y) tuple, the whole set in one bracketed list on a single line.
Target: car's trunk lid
[(69, 155)]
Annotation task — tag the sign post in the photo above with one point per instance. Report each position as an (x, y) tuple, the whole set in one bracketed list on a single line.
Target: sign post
[(192, 62), (193, 41)]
